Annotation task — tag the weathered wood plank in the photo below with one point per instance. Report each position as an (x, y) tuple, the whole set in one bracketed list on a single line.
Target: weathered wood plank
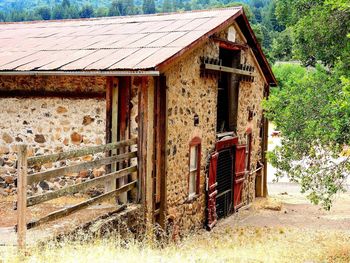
[(22, 195), (142, 142), (67, 211), (34, 200), (230, 70), (53, 94), (161, 149), (112, 125), (123, 125), (80, 152), (37, 177), (146, 148)]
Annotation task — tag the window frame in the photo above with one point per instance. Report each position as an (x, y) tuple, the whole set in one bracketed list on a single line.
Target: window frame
[(195, 142)]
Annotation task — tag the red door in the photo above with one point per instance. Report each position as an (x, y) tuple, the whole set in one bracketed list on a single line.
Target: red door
[(211, 191), (239, 175)]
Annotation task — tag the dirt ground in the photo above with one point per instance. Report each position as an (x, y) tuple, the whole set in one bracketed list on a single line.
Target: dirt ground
[(8, 218), (286, 207)]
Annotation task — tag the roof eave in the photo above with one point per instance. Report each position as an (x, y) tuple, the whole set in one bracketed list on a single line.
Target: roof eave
[(106, 73)]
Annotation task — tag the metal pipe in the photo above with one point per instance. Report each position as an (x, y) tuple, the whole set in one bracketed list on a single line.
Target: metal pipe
[(119, 73)]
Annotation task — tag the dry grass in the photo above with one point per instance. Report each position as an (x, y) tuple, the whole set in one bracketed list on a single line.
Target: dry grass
[(239, 244)]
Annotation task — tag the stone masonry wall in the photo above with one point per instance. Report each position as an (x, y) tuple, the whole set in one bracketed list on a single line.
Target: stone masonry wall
[(189, 94), (250, 98), (49, 124)]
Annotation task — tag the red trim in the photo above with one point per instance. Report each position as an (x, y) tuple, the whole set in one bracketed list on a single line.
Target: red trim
[(225, 44), (196, 141), (226, 143)]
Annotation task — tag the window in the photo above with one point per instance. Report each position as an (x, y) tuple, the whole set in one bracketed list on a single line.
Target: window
[(194, 167)]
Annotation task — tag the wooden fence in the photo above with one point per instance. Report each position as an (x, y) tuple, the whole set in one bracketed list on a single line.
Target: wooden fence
[(24, 180)]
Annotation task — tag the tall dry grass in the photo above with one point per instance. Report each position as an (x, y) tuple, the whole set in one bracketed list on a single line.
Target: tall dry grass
[(225, 244)]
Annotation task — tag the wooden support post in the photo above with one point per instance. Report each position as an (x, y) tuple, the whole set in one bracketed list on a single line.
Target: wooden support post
[(146, 147), (265, 146), (111, 122), (21, 195), (160, 148), (123, 125)]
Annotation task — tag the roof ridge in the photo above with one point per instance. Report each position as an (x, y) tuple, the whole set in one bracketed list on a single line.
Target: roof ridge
[(121, 17)]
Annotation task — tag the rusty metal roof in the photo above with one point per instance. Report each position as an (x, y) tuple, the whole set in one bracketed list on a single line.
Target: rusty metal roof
[(113, 43), (108, 45)]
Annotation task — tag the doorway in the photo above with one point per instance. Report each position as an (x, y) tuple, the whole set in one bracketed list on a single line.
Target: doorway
[(224, 180)]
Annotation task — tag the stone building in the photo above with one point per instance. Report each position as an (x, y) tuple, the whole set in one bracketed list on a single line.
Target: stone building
[(188, 85)]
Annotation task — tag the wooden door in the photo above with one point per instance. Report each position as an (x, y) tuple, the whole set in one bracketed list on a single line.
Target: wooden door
[(240, 172)]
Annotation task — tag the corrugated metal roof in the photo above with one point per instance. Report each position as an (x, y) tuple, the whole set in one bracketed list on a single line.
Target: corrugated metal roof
[(114, 43)]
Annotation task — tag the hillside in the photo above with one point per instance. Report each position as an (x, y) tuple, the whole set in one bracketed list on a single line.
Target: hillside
[(10, 5)]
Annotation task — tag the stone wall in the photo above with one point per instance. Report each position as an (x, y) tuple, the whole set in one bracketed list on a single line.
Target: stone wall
[(49, 124), (250, 98), (189, 94)]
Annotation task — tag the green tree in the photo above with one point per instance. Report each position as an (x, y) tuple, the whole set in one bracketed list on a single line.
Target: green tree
[(3, 17), (86, 11), (319, 29), (312, 106), (122, 8), (315, 129), (282, 47), (101, 11), (149, 7), (65, 4), (44, 13), (167, 6)]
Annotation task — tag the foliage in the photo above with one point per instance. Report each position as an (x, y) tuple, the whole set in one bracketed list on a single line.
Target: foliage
[(87, 11), (149, 7), (122, 8), (281, 47), (312, 106), (306, 110), (319, 29), (44, 13)]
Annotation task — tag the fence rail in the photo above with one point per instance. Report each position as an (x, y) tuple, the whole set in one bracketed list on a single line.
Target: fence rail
[(24, 180)]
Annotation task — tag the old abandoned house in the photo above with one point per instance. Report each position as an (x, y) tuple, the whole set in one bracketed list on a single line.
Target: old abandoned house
[(187, 85)]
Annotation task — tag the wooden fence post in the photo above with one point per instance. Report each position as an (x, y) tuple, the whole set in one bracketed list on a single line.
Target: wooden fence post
[(21, 195)]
